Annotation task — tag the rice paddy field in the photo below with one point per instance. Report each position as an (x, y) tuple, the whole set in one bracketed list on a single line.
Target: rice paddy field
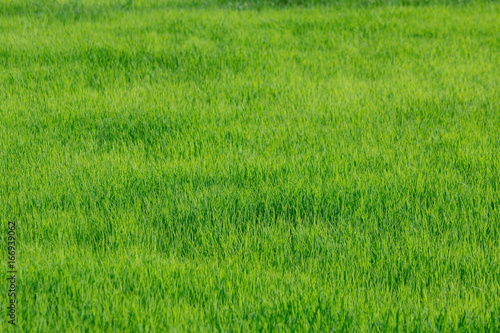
[(251, 166)]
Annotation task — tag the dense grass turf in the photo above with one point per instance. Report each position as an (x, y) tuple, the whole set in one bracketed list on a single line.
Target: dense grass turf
[(188, 166)]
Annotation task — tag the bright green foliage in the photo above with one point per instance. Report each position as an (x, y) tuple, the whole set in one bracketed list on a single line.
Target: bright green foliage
[(189, 166)]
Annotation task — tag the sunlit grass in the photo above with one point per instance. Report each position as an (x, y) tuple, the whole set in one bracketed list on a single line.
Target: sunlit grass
[(181, 166)]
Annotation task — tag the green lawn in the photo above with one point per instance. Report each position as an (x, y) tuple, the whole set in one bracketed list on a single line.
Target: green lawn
[(190, 166)]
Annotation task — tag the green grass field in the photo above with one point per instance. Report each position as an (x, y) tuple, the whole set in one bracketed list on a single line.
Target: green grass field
[(260, 166)]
